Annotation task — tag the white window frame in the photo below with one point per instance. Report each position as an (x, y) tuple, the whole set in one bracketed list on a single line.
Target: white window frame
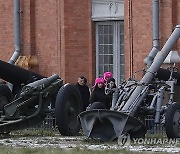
[(117, 51)]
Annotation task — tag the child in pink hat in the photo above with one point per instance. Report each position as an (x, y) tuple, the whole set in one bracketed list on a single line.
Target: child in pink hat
[(98, 81), (107, 75), (98, 93)]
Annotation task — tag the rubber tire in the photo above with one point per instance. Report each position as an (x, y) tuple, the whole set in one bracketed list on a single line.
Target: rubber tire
[(97, 105), (68, 102), (169, 120), (6, 96)]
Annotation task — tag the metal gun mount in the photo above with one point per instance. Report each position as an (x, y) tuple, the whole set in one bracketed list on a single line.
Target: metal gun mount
[(133, 100)]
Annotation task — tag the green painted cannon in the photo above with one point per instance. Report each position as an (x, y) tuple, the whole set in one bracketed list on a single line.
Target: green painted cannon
[(32, 96)]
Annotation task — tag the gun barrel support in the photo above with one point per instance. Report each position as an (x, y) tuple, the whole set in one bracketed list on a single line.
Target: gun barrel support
[(159, 104)]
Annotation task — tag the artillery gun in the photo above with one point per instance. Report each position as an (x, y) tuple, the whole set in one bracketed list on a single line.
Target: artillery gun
[(134, 99), (33, 96)]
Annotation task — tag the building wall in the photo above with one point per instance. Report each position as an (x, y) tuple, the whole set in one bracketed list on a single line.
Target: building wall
[(61, 34), (138, 30), (6, 29), (58, 33), (77, 36)]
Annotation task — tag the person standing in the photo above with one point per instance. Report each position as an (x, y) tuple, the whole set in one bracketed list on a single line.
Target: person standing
[(110, 89), (98, 93), (84, 91)]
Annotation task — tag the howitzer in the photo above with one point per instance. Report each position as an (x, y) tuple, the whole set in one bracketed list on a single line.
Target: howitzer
[(133, 100), (33, 94), (33, 97), (32, 104)]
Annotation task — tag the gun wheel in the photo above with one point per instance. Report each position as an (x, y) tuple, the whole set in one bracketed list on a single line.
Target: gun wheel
[(67, 107), (172, 121), (5, 96)]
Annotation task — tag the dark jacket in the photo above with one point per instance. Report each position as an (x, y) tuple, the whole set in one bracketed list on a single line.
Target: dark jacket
[(85, 94), (110, 90), (98, 95)]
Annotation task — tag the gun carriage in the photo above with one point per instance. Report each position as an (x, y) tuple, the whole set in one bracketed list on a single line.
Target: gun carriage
[(33, 96), (134, 99)]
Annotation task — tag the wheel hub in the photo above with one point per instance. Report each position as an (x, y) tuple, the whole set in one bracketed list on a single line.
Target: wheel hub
[(71, 110)]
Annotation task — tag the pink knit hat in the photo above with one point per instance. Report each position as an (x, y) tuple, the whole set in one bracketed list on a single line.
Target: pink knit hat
[(107, 75), (99, 80)]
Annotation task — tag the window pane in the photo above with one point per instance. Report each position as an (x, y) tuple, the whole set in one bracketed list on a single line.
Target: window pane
[(111, 49), (101, 71), (122, 59), (121, 28), (106, 59), (106, 29), (106, 39), (100, 29), (121, 39), (110, 29), (111, 59), (101, 41), (110, 39), (106, 68), (122, 69), (101, 59), (111, 68), (106, 49), (122, 49), (101, 49)]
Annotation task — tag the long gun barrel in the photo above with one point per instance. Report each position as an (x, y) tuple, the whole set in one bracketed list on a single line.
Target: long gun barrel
[(135, 99), (17, 75), (38, 85)]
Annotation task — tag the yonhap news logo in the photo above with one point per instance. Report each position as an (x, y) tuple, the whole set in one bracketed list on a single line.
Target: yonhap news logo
[(125, 140)]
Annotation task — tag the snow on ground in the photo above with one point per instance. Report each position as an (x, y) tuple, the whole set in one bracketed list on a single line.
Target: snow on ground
[(72, 142)]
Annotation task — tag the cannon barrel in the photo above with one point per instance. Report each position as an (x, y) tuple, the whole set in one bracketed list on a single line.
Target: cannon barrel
[(38, 85), (17, 75)]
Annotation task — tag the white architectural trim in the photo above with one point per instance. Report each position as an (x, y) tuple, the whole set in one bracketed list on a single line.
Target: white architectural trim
[(107, 10)]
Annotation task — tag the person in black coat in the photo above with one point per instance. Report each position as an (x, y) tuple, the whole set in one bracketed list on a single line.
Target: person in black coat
[(84, 91), (110, 88), (98, 93)]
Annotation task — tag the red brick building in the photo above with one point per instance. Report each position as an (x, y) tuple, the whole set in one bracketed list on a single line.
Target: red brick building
[(138, 29), (83, 37)]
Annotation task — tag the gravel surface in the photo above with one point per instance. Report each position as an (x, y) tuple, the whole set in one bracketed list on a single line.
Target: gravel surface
[(81, 142)]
